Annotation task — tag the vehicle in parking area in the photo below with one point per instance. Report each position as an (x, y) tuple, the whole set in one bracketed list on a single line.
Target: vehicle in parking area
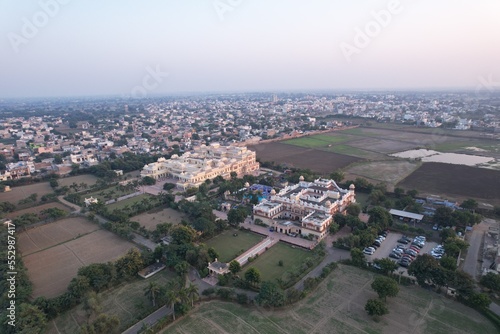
[(384, 233), (415, 248), (395, 255), (381, 237), (418, 244), (369, 250), (378, 243), (435, 227), (404, 262), (398, 250), (403, 241), (411, 252)]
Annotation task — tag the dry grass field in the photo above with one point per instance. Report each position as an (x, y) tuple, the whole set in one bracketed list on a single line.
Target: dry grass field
[(54, 252), (388, 172), (19, 193), (45, 236), (85, 178), (337, 306), (150, 219), (38, 209)]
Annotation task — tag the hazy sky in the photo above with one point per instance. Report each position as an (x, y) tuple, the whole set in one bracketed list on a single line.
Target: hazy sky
[(96, 47)]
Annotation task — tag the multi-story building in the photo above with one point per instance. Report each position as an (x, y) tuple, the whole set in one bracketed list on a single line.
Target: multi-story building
[(306, 208), (203, 163)]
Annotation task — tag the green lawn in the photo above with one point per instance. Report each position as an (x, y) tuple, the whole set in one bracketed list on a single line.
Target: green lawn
[(267, 263), (129, 202), (229, 247), (109, 193), (127, 301)]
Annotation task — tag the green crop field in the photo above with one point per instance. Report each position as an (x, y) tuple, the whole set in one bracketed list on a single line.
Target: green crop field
[(337, 306), (229, 246), (267, 263), (126, 301)]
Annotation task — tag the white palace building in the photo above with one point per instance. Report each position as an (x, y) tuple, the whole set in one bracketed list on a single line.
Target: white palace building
[(306, 208), (203, 163)]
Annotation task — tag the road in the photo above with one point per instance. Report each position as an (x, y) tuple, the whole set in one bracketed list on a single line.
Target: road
[(150, 320), (474, 239)]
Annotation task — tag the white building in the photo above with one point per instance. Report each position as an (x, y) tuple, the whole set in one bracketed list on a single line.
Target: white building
[(306, 208), (203, 163)]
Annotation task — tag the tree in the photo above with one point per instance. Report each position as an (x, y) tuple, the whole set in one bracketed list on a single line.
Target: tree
[(53, 183), (398, 192), (469, 204), (387, 265), (375, 307), (30, 319), (413, 193), (358, 258), (270, 295), (168, 186), (447, 233), (172, 297), (152, 291), (353, 209), (479, 300), (92, 304), (380, 217), (448, 262), (234, 267), (337, 176), (192, 293), (385, 287), (252, 276), (148, 181), (423, 268), (376, 196), (181, 268), (443, 216), (104, 324), (491, 281), (237, 216)]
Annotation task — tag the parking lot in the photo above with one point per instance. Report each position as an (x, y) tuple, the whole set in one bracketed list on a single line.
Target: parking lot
[(390, 242)]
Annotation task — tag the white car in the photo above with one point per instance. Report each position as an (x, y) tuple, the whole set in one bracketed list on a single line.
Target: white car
[(369, 250)]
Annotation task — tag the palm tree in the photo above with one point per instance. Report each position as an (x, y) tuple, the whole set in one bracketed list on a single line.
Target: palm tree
[(152, 291), (172, 297), (192, 292)]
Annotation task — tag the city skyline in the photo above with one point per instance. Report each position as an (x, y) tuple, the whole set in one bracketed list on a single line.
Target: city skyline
[(66, 48)]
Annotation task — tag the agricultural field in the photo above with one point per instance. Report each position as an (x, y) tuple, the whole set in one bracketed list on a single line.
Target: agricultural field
[(459, 181), (48, 235), (22, 192), (229, 246), (337, 306), (388, 172), (150, 219), (37, 209), (126, 301), (300, 157), (57, 251), (84, 178), (267, 263)]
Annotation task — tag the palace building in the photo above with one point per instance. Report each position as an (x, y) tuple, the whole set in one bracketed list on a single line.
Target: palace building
[(306, 208), (203, 163)]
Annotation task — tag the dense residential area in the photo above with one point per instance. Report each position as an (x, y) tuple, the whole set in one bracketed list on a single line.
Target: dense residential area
[(253, 200)]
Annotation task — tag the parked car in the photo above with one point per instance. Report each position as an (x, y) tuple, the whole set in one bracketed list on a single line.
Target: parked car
[(403, 241), (369, 250), (435, 227), (395, 255)]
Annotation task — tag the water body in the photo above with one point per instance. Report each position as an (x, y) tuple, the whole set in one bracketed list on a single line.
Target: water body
[(449, 158)]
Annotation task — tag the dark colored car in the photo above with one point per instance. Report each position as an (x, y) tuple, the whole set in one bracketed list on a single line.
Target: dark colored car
[(403, 241)]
